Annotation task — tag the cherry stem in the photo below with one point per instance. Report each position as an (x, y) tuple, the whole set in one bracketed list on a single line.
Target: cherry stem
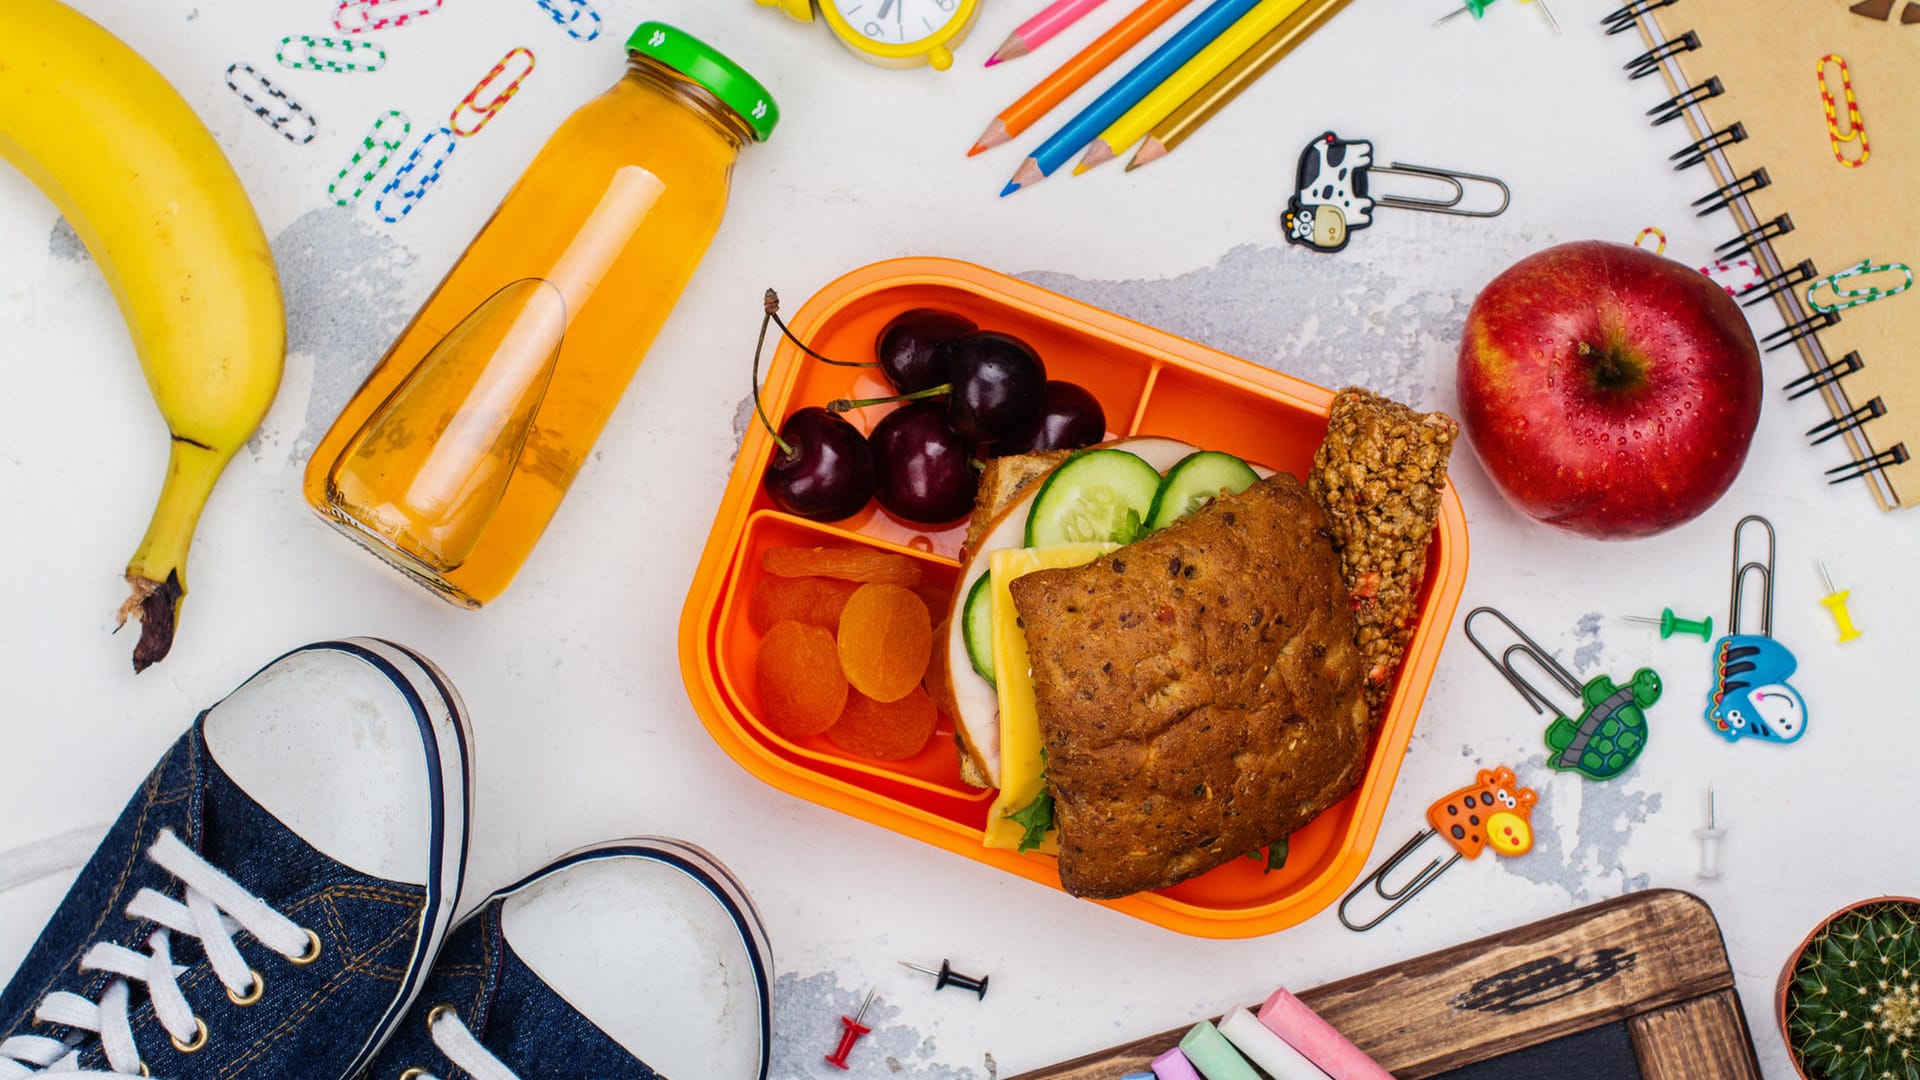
[(771, 305), (805, 348), (845, 404)]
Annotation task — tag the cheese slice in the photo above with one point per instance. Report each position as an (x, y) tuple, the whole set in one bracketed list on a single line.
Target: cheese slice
[(1021, 764)]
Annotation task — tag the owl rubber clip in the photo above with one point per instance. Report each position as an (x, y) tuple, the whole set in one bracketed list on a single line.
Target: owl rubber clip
[(1751, 698), (1492, 812), (1332, 196)]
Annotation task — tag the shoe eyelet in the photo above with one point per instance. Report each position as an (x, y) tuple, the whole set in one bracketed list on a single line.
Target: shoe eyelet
[(253, 992), (434, 1014), (312, 953), (143, 1069), (199, 1042), (415, 1074)]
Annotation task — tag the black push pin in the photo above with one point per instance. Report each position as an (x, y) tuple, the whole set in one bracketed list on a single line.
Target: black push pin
[(949, 977)]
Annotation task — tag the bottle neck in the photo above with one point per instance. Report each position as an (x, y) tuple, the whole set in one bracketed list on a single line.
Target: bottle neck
[(729, 124)]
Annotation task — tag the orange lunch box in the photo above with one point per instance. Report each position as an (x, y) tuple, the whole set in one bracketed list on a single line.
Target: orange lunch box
[(1149, 383)]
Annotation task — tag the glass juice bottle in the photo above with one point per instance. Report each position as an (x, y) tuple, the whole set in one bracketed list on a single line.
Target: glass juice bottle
[(454, 455)]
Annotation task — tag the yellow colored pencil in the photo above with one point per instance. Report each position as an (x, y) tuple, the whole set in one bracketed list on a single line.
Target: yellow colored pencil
[(1134, 124), (1194, 113)]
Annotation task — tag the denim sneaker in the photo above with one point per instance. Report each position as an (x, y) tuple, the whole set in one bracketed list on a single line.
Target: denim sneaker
[(636, 960), (270, 902)]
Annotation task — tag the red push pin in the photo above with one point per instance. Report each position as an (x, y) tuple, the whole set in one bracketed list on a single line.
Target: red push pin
[(855, 1029)]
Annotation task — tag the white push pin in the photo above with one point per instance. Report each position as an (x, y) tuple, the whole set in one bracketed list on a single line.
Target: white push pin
[(1710, 841)]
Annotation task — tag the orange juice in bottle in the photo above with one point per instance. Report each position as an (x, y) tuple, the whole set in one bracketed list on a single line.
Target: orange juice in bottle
[(454, 455)]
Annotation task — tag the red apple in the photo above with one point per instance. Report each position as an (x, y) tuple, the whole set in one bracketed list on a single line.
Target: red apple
[(1608, 390)]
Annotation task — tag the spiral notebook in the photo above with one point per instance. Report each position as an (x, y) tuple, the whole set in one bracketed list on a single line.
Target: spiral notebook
[(1752, 82)]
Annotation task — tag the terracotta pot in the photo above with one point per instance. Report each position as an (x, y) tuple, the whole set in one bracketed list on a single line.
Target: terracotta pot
[(1793, 960)]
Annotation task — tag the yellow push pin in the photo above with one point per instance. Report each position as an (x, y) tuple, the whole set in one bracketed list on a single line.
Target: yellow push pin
[(1836, 603)]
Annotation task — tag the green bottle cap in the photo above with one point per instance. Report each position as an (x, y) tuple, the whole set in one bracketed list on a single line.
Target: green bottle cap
[(709, 67)]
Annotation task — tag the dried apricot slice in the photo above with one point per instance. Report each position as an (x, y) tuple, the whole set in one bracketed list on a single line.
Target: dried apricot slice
[(886, 730), (802, 691), (885, 641), (815, 601), (845, 563)]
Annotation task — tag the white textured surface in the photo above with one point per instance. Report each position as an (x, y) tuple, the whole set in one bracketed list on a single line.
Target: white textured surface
[(583, 729)]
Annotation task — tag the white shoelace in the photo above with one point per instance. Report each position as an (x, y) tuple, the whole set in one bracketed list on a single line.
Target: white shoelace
[(450, 1034), (216, 908)]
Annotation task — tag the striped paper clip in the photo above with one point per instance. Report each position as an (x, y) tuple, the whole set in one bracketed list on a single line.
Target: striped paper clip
[(408, 197), (1736, 276), (278, 117), (309, 53), (1640, 241), (570, 19), (365, 16), (485, 112), (376, 141), (1854, 296), (1855, 131)]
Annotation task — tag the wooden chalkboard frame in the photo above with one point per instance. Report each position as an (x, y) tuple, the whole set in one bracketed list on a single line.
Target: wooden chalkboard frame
[(1654, 960)]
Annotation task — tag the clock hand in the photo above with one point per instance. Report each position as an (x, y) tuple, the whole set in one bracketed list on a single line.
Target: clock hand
[(886, 7)]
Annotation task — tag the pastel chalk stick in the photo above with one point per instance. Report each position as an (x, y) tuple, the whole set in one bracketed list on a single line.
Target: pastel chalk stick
[(1266, 1049), (1173, 1065), (1138, 1076), (1288, 1017), (1214, 1056)]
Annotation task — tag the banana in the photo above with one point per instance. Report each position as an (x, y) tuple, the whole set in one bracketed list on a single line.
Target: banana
[(150, 193)]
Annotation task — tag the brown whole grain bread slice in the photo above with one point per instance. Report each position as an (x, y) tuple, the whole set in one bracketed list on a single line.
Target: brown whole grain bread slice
[(1199, 691), (1379, 476)]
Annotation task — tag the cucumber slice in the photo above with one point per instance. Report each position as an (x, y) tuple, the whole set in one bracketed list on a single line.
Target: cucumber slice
[(1194, 482), (1095, 496), (976, 625)]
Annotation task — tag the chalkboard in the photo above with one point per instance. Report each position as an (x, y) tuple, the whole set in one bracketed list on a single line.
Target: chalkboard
[(1602, 1053), (1633, 988)]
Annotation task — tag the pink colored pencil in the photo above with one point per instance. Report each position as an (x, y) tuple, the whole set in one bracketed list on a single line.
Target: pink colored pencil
[(1288, 1017), (1040, 29)]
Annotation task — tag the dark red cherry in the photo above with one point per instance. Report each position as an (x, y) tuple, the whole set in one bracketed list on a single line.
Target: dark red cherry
[(828, 474), (913, 347), (925, 469), (1069, 418), (997, 385)]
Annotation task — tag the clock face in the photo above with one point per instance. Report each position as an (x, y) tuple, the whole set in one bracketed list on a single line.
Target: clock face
[(896, 22)]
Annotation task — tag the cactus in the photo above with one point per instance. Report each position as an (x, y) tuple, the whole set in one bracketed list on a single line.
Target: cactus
[(1853, 1007)]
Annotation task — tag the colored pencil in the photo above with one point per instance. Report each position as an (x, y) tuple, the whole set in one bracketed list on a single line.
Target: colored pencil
[(1125, 94), (1040, 29), (1049, 92), (1194, 113), (1133, 125)]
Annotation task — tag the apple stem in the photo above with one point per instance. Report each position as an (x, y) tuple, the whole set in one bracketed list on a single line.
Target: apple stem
[(771, 305), (840, 405)]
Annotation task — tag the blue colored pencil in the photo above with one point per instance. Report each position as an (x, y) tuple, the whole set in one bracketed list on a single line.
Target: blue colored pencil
[(1126, 93)]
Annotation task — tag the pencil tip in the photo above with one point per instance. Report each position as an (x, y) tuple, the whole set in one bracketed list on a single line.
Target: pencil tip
[(1150, 151), (1009, 189), (995, 135), (992, 60), (1011, 49), (977, 149), (1081, 168)]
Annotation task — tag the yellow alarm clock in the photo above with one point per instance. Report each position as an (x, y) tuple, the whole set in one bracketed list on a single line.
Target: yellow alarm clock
[(893, 33)]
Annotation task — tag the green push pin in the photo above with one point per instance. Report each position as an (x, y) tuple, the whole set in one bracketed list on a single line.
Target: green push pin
[(1478, 9), (1670, 624)]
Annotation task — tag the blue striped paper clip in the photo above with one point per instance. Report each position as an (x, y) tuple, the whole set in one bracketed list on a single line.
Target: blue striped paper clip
[(409, 197), (570, 19)]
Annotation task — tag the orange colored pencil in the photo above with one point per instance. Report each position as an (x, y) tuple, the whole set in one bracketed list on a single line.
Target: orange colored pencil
[(1077, 72)]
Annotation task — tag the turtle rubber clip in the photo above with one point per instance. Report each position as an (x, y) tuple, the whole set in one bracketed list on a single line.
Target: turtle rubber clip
[(1750, 697), (1609, 728), (1493, 812), (854, 1029), (946, 977)]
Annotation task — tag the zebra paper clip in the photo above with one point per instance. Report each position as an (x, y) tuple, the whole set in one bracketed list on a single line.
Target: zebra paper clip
[(1751, 697), (1609, 728), (1332, 195), (1492, 812)]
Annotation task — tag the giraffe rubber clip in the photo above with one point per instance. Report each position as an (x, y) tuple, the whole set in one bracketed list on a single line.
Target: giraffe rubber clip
[(1606, 730), (1493, 812), (1333, 197), (1751, 697)]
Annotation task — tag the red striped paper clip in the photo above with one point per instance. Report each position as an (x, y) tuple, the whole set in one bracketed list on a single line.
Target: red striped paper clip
[(304, 52), (1640, 241), (381, 139), (1854, 131), (283, 117), (1737, 276), (569, 14), (408, 197), (491, 84), (365, 16)]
